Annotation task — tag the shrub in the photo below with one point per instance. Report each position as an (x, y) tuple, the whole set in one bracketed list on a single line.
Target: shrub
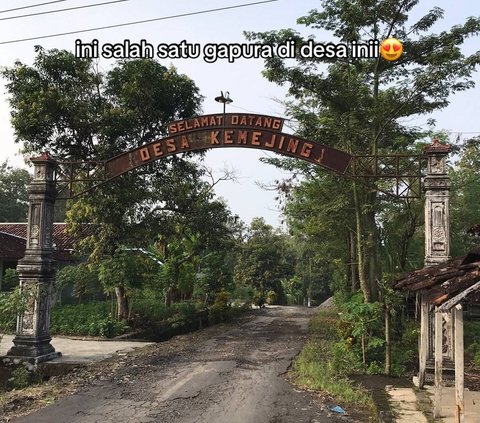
[(220, 310), (10, 280), (11, 304), (82, 281), (92, 319), (324, 363), (20, 378), (154, 310), (272, 297), (244, 294), (259, 299)]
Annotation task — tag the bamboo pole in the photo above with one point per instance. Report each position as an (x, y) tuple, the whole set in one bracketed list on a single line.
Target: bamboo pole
[(437, 410), (459, 365)]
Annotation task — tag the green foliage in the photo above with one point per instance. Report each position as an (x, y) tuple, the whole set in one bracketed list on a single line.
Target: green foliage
[(465, 191), (402, 235), (21, 378), (13, 303), (64, 105), (259, 299), (108, 328), (216, 273), (364, 106), (476, 359), (243, 294), (121, 269), (361, 321), (220, 310), (13, 193), (404, 347), (272, 297), (92, 319), (10, 280), (323, 364), (293, 289), (345, 360), (83, 279), (472, 341), (154, 310), (264, 259)]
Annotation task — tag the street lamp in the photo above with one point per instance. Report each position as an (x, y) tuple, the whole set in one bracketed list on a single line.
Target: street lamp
[(225, 99)]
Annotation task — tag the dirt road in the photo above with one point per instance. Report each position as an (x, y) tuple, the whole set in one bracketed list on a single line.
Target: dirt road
[(233, 375)]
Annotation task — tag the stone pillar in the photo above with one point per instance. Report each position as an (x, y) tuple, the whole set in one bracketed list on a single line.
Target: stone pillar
[(437, 236), (437, 186), (36, 269)]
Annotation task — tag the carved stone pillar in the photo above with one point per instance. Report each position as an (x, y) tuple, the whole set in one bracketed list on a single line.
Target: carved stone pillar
[(36, 269), (437, 241), (437, 186)]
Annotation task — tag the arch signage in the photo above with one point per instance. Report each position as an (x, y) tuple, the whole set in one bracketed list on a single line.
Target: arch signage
[(229, 130)]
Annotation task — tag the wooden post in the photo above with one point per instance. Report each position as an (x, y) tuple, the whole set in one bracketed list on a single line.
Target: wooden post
[(459, 365), (424, 334), (437, 410)]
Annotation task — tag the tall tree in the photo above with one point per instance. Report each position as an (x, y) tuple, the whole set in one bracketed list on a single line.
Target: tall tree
[(360, 105), (465, 212), (63, 104), (13, 193), (264, 259)]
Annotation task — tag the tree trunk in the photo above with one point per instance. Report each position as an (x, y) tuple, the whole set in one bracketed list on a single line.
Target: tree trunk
[(122, 303), (360, 259), (168, 297), (371, 224), (353, 259), (388, 349), (364, 354), (372, 247)]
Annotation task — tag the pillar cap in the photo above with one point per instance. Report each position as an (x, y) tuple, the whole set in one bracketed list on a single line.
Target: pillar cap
[(437, 147), (43, 158)]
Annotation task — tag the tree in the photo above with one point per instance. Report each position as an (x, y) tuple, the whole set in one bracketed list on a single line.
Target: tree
[(465, 213), (13, 193), (63, 104), (264, 260), (198, 252), (321, 234), (360, 105)]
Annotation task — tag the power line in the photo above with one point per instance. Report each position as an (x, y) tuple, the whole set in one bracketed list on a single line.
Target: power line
[(61, 10), (136, 22), (33, 5)]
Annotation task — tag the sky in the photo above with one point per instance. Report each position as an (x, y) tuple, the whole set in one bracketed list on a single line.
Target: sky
[(242, 79)]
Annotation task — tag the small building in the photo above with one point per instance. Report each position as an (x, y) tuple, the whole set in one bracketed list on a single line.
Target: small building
[(13, 241), (445, 289)]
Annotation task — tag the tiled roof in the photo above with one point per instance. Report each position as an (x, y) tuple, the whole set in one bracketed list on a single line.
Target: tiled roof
[(61, 239), (13, 241), (446, 281), (11, 247)]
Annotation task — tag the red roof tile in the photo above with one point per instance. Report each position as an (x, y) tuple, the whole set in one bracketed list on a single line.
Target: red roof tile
[(11, 247), (61, 239), (444, 281), (13, 241)]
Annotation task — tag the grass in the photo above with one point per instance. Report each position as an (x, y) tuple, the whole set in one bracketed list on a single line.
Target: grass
[(321, 366)]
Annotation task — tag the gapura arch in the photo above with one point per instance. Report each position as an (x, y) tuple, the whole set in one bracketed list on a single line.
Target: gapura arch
[(228, 130)]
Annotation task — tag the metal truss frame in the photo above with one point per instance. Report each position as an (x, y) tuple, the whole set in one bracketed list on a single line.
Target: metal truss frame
[(396, 175)]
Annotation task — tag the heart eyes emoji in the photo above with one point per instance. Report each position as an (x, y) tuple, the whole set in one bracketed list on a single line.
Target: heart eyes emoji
[(391, 49)]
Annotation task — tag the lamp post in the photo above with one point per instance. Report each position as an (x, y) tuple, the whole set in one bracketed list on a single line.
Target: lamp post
[(225, 99)]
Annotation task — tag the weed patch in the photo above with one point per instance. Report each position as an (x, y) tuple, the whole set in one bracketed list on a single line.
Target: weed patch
[(324, 365)]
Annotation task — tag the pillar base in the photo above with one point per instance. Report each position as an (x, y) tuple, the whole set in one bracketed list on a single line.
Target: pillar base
[(32, 349), (433, 261)]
